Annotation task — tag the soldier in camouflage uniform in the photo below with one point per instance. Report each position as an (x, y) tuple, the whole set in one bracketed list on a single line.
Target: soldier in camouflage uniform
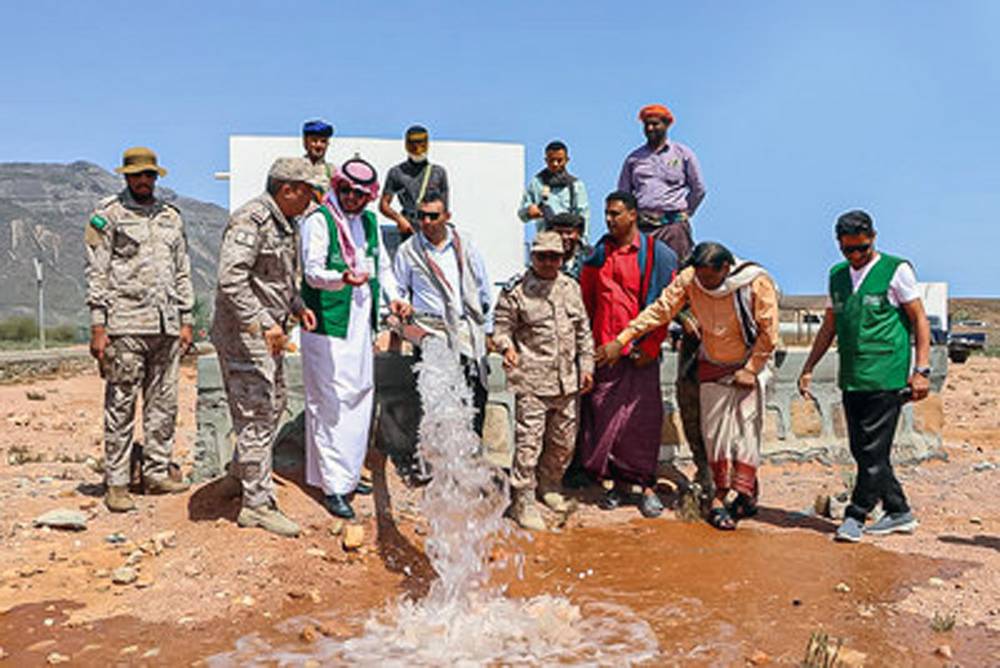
[(140, 297), (569, 226), (315, 140), (256, 299), (542, 331)]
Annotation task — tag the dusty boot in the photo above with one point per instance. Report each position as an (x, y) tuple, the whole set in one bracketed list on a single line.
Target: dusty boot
[(165, 486), (527, 516), (269, 518), (552, 497), (118, 500)]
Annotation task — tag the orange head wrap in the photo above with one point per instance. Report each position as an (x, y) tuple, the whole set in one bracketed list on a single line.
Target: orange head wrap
[(656, 110)]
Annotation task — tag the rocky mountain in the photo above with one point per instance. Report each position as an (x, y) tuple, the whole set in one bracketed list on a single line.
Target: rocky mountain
[(43, 212)]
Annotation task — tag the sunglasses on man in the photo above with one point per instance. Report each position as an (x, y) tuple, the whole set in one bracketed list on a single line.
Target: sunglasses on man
[(357, 192), (856, 248), (429, 215)]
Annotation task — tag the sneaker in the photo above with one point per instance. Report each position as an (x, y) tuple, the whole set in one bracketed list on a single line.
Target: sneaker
[(527, 516), (894, 523), (650, 506), (555, 500), (166, 486), (269, 518), (118, 500), (850, 531), (612, 499)]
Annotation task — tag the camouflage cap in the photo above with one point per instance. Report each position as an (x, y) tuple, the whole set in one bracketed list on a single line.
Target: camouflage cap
[(547, 242), (291, 169), (139, 159)]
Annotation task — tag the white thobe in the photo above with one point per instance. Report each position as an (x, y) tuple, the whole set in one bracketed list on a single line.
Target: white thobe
[(338, 374)]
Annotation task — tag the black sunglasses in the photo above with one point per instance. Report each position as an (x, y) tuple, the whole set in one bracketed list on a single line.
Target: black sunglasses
[(429, 215), (858, 248), (358, 192)]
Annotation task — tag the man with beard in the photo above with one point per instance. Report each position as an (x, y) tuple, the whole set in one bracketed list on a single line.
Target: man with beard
[(256, 303), (569, 227), (316, 140), (553, 191), (140, 296), (665, 178), (411, 180), (345, 269), (623, 416)]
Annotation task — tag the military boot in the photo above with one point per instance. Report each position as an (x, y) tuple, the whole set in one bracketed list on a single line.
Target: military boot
[(527, 516), (165, 486), (269, 518), (118, 500), (552, 497)]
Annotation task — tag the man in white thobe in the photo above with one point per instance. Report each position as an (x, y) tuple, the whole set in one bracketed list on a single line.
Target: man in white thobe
[(344, 269)]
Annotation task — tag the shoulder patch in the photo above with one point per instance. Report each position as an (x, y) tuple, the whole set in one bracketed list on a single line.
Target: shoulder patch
[(245, 238), (98, 222), (513, 282)]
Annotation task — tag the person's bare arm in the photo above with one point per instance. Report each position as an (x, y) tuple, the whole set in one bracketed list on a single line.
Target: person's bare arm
[(385, 207), (822, 343), (922, 346)]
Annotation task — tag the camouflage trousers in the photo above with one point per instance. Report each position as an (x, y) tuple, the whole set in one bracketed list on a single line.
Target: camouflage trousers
[(544, 438), (255, 388), (134, 364)]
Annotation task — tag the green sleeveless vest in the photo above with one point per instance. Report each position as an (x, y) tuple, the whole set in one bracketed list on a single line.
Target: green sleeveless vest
[(873, 336), (333, 307)]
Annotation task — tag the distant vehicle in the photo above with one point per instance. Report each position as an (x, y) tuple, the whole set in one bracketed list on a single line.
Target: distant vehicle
[(961, 345), (970, 323)]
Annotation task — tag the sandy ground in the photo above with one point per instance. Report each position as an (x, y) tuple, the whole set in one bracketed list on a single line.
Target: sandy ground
[(196, 570)]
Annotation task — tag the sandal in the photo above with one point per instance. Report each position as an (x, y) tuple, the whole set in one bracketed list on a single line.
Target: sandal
[(612, 499), (721, 519), (743, 507)]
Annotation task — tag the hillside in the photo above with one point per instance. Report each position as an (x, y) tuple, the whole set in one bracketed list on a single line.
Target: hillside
[(43, 211)]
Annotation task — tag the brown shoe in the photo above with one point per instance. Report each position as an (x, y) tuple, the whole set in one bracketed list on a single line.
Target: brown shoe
[(118, 500), (165, 486)]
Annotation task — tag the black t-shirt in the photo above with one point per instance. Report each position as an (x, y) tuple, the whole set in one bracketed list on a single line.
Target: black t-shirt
[(406, 178)]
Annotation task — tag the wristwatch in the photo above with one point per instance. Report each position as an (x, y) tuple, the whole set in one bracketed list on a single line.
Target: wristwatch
[(924, 371)]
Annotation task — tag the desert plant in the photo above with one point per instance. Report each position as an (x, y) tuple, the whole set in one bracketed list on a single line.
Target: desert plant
[(943, 622)]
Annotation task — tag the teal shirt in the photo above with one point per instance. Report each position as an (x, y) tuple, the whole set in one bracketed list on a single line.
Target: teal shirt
[(558, 200)]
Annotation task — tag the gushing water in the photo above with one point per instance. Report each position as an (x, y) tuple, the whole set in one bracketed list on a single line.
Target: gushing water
[(463, 621)]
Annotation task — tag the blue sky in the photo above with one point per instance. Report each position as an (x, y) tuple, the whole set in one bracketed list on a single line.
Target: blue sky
[(797, 110)]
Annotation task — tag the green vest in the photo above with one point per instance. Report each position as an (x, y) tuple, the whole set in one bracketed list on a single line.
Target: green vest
[(333, 307), (873, 336)]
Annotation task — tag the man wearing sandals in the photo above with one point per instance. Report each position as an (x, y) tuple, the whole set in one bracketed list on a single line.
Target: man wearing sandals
[(736, 305), (874, 306)]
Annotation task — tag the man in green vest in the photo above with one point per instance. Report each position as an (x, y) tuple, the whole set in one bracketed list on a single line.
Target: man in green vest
[(874, 307), (345, 270)]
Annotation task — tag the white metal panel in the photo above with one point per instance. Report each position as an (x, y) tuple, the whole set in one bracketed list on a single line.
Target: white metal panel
[(485, 181), (935, 299)]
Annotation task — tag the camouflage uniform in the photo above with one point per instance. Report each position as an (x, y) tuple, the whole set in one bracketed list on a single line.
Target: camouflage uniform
[(139, 288), (547, 324), (256, 290)]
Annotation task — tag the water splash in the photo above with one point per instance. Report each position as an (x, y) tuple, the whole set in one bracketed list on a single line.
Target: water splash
[(463, 621)]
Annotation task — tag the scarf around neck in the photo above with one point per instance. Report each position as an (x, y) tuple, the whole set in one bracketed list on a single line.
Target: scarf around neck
[(555, 180), (347, 248)]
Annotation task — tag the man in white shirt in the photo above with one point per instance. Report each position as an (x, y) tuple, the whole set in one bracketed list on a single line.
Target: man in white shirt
[(444, 277), (873, 311), (344, 269)]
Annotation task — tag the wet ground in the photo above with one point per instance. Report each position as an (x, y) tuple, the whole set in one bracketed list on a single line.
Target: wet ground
[(711, 598)]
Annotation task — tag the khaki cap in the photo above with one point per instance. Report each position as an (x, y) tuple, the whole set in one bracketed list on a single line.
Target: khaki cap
[(291, 169), (139, 159), (547, 242)]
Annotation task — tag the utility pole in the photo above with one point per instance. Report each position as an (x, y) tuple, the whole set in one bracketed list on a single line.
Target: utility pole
[(41, 304)]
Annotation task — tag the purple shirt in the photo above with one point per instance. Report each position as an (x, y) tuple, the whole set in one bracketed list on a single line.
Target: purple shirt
[(665, 180)]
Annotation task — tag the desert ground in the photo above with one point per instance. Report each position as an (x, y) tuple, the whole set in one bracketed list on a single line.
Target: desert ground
[(177, 581)]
